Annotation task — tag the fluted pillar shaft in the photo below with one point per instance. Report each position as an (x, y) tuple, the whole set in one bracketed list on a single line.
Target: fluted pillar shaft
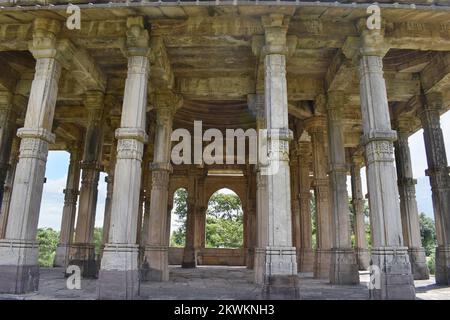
[(190, 250), (389, 255), (408, 204), (82, 252), (4, 210), (8, 127), (305, 253), (362, 253), (69, 210), (439, 174), (19, 270), (119, 271), (156, 250), (317, 128), (281, 262), (344, 269)]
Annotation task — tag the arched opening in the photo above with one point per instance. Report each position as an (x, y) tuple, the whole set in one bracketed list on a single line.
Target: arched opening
[(224, 220)]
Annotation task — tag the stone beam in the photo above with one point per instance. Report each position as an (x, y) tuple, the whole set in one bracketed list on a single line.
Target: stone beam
[(161, 75), (15, 36), (216, 88), (84, 69), (341, 74), (418, 36), (436, 75)]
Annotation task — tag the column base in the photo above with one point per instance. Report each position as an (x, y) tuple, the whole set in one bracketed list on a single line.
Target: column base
[(19, 270), (391, 274), (443, 265), (119, 272), (281, 287), (83, 256), (362, 258), (156, 264), (259, 265), (343, 268), (418, 261), (61, 256), (305, 260), (281, 261), (189, 258), (322, 262)]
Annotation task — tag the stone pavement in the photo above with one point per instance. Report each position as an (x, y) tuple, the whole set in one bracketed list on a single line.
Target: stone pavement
[(216, 283)]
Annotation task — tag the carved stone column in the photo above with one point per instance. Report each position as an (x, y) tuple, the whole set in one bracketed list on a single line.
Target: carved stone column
[(13, 159), (257, 103), (119, 272), (156, 250), (70, 208), (438, 171), (82, 252), (8, 116), (19, 270), (344, 269), (388, 251), (408, 203), (317, 129), (305, 253), (115, 123), (295, 204), (362, 253), (281, 263), (190, 250), (251, 218)]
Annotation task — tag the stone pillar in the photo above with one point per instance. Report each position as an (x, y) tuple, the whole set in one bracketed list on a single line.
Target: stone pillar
[(389, 255), (305, 253), (70, 208), (13, 159), (200, 216), (147, 197), (190, 249), (343, 269), (362, 253), (438, 171), (19, 272), (8, 117), (317, 129), (119, 272), (281, 263), (82, 252), (408, 204), (251, 218), (295, 204), (156, 250), (261, 196)]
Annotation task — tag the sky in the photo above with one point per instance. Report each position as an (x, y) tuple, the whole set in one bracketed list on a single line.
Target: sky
[(58, 162)]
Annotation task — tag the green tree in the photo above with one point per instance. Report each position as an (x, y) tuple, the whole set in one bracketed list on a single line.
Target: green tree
[(98, 239), (178, 237), (427, 233), (48, 241)]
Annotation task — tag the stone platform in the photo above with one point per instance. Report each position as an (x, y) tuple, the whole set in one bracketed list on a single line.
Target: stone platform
[(217, 282)]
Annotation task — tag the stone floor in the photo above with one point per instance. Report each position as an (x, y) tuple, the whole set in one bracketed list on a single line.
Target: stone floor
[(217, 283)]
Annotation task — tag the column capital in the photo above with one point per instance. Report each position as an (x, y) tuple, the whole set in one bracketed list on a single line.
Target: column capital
[(317, 124), (404, 126), (433, 101), (166, 104), (44, 40), (372, 42), (137, 41), (275, 27)]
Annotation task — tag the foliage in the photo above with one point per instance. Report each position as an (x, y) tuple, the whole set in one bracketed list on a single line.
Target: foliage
[(98, 239), (48, 241), (224, 233), (180, 211), (427, 233), (224, 220)]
